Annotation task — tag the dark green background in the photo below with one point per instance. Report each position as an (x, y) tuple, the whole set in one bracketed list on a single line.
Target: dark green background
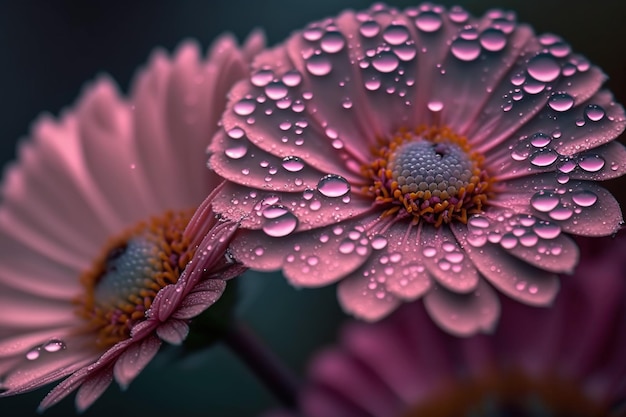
[(48, 50)]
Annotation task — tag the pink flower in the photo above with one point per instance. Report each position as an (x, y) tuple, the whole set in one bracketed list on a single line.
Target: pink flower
[(564, 361), (421, 153), (100, 262)]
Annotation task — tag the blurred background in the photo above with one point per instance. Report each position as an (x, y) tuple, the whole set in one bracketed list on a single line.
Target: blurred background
[(49, 50)]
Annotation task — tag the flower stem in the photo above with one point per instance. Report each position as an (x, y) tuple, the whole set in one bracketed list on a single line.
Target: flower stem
[(264, 363)]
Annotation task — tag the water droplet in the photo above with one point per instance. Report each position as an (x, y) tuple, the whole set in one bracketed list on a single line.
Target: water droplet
[(396, 34), (508, 241), (458, 14), (236, 133), (435, 105), (292, 78), (369, 29), (372, 83), (319, 65), (244, 107), (428, 21), (333, 185), (276, 90), (539, 140), (312, 260), (312, 34), (405, 52), (594, 112), (33, 354), (584, 198), (560, 49), (54, 345), (561, 213), (262, 77), (544, 201), (385, 62), (346, 103), (528, 240), (591, 163), (332, 42), (279, 221), (259, 251), (379, 242), (465, 50), (547, 230), (493, 40), (293, 163), (543, 157), (237, 152), (429, 251), (347, 247), (561, 102), (544, 68), (478, 222)]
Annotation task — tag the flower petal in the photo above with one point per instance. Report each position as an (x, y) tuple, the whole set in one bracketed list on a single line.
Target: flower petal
[(93, 387), (365, 298), (200, 298), (132, 361), (464, 314), (173, 331)]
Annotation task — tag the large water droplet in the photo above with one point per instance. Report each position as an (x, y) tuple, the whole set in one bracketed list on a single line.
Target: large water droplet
[(379, 242), (396, 34), (594, 112), (493, 40), (478, 222), (591, 163), (54, 345), (276, 90), (547, 230), (544, 68), (465, 50), (428, 21), (543, 157), (332, 42), (333, 185), (539, 140), (244, 107), (279, 221), (584, 198), (312, 34), (435, 106), (544, 201), (236, 133), (293, 163), (561, 213), (237, 151), (262, 77), (385, 62), (369, 29), (429, 251), (319, 65), (292, 78), (561, 102)]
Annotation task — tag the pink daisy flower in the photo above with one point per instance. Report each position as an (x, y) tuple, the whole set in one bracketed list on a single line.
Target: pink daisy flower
[(564, 361), (100, 262), (421, 153)]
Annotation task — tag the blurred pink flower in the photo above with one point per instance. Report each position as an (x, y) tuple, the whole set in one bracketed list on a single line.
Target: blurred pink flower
[(420, 153), (565, 361), (130, 172)]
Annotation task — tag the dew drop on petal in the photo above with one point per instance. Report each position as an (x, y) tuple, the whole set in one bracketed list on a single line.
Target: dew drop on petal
[(379, 242), (584, 198), (292, 164), (458, 14), (262, 77), (292, 78), (544, 201), (465, 50), (478, 222), (594, 112), (508, 241), (386, 62), (428, 21), (244, 107), (547, 230), (395, 34), (276, 90), (493, 40), (319, 65), (561, 213), (333, 185), (539, 140), (435, 105), (236, 152), (543, 158), (332, 42), (235, 133), (591, 163), (544, 68), (33, 354), (313, 34), (347, 247), (369, 29), (279, 221), (561, 102), (54, 345), (429, 251)]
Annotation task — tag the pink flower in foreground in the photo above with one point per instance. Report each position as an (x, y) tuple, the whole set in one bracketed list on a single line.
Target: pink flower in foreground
[(565, 361), (100, 262), (420, 153)]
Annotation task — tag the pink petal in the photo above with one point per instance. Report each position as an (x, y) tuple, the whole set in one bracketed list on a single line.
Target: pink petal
[(308, 259), (365, 298), (19, 344), (93, 387), (464, 314), (319, 401), (202, 297), (173, 331), (132, 361), (446, 260), (33, 312), (351, 378), (510, 275)]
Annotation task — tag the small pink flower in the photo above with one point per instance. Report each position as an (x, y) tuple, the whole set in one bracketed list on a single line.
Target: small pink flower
[(565, 361), (100, 261), (421, 153)]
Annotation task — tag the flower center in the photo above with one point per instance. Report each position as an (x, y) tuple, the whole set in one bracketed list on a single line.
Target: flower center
[(122, 283), (430, 174), (510, 394)]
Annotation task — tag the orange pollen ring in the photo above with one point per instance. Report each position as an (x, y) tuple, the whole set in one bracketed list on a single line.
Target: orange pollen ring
[(429, 173), (118, 295)]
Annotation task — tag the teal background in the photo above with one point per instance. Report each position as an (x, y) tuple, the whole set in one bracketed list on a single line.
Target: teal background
[(49, 50)]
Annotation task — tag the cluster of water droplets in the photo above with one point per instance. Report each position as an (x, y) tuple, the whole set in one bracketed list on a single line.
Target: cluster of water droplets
[(50, 347), (542, 70)]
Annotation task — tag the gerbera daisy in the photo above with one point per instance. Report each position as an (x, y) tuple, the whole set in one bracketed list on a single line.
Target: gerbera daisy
[(100, 262), (420, 153), (561, 362)]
